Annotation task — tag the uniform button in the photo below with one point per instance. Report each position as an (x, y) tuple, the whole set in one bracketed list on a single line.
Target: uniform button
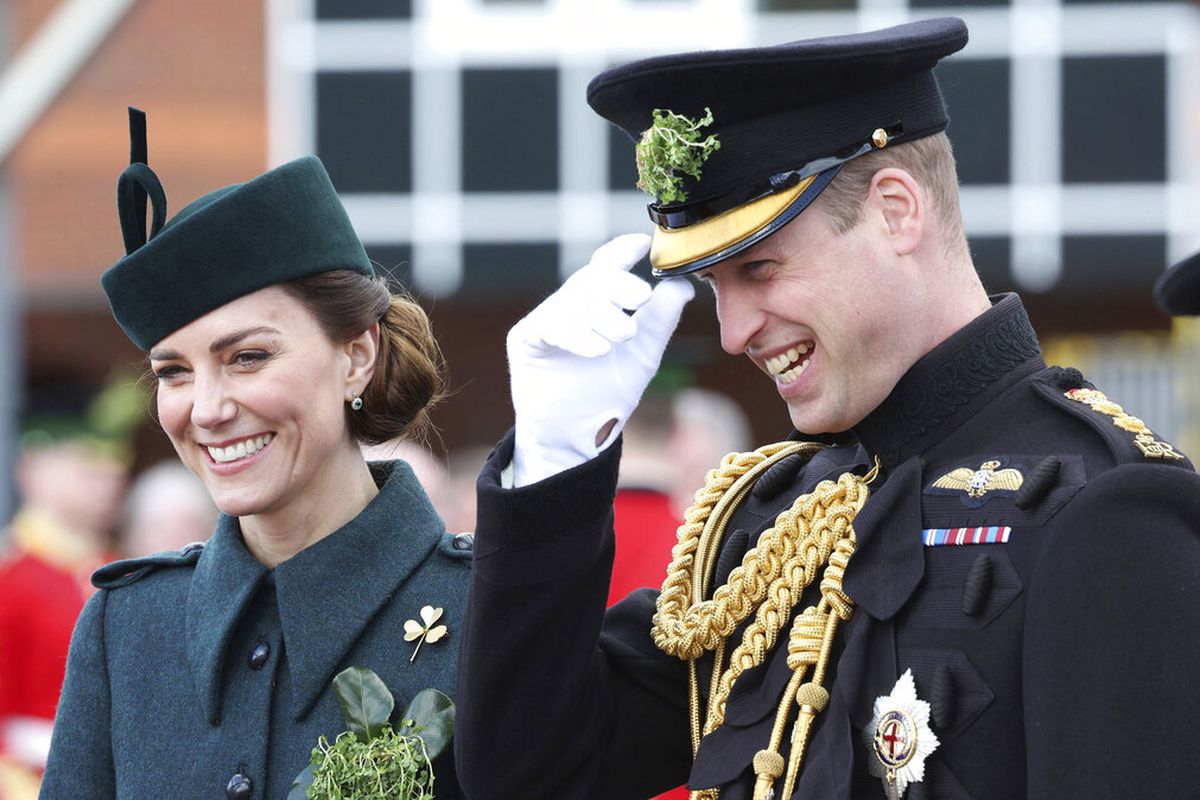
[(464, 541), (258, 656), (239, 788)]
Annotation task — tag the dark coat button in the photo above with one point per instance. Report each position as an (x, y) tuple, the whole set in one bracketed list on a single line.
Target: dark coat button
[(239, 788), (258, 656), (464, 541)]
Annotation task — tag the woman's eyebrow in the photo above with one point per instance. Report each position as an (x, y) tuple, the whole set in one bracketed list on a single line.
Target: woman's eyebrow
[(235, 337), (217, 346), (164, 355)]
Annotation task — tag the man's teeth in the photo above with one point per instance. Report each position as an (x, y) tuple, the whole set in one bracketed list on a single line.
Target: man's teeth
[(781, 366), (246, 447)]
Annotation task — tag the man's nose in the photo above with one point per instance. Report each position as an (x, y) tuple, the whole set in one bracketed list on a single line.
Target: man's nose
[(740, 319)]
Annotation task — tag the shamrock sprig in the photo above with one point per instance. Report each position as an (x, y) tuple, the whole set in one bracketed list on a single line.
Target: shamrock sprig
[(669, 149), (372, 758)]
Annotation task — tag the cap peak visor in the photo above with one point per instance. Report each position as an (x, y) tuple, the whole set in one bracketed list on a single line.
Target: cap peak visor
[(680, 251)]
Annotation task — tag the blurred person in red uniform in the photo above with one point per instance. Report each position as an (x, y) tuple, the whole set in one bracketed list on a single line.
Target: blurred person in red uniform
[(644, 520), (71, 476), (671, 441), (644, 517)]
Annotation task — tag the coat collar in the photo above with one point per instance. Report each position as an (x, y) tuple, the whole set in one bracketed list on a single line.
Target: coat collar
[(327, 594), (952, 382)]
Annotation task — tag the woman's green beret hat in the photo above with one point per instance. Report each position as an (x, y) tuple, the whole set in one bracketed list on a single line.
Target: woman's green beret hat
[(285, 224)]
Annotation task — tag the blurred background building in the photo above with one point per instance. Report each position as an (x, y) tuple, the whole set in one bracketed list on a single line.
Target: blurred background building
[(459, 136)]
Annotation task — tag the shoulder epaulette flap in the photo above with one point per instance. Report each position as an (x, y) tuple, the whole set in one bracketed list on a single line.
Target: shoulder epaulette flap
[(1128, 437), (131, 570)]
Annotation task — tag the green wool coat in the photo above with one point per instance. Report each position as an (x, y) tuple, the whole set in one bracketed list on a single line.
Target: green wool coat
[(188, 669)]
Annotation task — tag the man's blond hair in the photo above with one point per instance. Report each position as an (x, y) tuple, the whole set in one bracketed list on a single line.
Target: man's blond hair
[(930, 160)]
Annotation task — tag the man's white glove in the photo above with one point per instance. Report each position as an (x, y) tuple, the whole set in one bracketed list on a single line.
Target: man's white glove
[(578, 361)]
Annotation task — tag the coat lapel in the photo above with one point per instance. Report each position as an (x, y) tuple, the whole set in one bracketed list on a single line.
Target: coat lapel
[(889, 562), (225, 580), (885, 570), (328, 593)]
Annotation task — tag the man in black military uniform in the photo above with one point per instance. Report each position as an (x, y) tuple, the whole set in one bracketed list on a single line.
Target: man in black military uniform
[(969, 575)]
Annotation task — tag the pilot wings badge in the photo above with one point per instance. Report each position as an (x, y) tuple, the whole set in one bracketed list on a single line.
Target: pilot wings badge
[(978, 484), (900, 737)]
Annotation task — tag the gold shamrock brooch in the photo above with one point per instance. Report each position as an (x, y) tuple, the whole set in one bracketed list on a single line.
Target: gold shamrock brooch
[(428, 632)]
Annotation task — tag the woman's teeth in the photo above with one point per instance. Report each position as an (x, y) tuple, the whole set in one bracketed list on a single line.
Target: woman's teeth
[(246, 447), (784, 367)]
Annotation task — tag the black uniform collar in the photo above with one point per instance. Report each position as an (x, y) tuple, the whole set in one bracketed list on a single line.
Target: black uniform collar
[(949, 384)]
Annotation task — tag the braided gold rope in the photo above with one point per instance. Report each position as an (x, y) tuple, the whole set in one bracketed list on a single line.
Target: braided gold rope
[(800, 543), (699, 539), (815, 531), (809, 644), (684, 625)]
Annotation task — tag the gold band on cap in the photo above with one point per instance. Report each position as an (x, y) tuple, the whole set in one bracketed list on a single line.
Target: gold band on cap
[(675, 248)]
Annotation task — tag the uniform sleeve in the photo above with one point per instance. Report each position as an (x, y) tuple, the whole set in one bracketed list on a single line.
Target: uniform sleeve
[(81, 762), (1113, 640), (556, 699)]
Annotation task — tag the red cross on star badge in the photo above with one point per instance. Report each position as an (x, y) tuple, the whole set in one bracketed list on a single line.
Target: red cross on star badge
[(900, 737)]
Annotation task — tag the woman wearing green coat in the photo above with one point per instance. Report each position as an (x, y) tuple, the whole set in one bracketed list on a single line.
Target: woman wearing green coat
[(277, 350)]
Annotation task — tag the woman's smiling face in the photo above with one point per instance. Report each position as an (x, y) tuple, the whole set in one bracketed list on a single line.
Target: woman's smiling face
[(252, 396)]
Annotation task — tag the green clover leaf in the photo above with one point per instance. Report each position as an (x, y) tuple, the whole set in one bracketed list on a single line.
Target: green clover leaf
[(671, 148)]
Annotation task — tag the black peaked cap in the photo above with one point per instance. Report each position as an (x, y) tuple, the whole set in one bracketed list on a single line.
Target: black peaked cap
[(777, 108), (799, 109)]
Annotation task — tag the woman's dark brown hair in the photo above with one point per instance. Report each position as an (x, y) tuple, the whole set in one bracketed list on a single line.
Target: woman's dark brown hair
[(409, 370)]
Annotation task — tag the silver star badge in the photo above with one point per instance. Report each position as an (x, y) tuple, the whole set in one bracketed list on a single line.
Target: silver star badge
[(900, 737)]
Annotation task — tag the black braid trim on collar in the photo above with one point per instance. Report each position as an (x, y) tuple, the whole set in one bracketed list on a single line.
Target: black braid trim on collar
[(950, 383)]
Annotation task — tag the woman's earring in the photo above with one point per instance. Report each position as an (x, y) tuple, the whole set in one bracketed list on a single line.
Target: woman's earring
[(356, 404)]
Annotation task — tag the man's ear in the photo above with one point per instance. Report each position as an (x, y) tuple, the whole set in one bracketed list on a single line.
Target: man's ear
[(362, 351), (901, 203)]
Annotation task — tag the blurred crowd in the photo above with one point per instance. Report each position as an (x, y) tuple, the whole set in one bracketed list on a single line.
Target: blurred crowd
[(81, 504)]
